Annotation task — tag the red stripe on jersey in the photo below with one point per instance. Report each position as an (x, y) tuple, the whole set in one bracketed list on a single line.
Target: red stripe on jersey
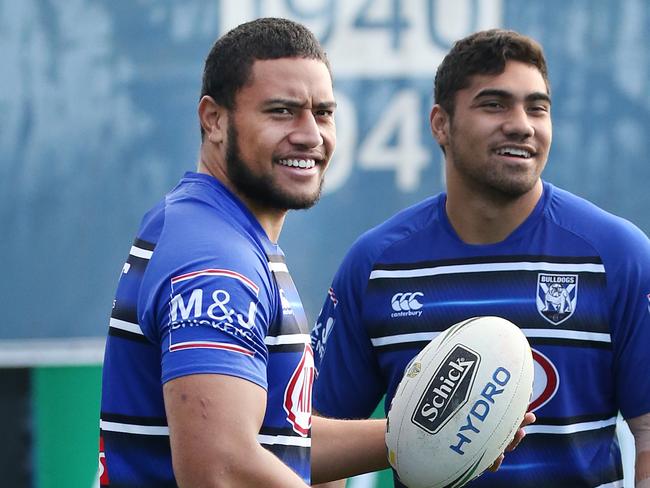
[(210, 345), (218, 272)]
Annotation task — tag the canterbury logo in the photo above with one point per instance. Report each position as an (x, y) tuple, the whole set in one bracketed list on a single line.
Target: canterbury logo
[(406, 302)]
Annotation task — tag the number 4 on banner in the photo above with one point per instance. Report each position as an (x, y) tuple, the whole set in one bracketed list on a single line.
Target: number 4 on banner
[(393, 20), (395, 142)]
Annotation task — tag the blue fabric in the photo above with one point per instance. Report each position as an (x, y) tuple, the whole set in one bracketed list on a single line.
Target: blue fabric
[(574, 278), (203, 291)]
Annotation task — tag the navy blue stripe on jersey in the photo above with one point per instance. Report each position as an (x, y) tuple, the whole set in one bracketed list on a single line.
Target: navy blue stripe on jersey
[(277, 431), (139, 256), (142, 244), (575, 265), (488, 259), (569, 342), (125, 312), (279, 445), (287, 342), (124, 322), (287, 348), (124, 334), (400, 346), (276, 258), (133, 419), (136, 264)]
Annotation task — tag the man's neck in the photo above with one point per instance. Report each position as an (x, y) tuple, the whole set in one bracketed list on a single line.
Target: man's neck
[(271, 220), (479, 219)]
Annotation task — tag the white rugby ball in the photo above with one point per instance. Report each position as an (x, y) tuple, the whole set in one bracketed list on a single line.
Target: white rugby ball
[(460, 403)]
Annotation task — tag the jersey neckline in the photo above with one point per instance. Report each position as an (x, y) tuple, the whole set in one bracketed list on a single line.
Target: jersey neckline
[(518, 233)]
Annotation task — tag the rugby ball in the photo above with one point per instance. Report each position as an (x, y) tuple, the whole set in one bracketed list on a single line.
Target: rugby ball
[(460, 403)]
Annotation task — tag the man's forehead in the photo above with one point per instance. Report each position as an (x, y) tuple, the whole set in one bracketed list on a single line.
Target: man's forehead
[(291, 66), (301, 80), (518, 78)]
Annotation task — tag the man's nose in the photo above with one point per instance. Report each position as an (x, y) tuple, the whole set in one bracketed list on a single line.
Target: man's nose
[(306, 131), (518, 123)]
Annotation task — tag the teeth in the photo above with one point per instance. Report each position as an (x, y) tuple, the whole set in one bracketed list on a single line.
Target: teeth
[(512, 151), (298, 163)]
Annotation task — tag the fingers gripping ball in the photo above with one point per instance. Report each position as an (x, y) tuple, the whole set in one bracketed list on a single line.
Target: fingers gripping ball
[(460, 403)]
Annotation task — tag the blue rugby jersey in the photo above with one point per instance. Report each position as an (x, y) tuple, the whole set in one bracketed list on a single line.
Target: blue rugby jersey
[(203, 291), (574, 278)]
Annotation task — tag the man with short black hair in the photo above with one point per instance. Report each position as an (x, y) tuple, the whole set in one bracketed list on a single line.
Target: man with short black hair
[(208, 368), (501, 241)]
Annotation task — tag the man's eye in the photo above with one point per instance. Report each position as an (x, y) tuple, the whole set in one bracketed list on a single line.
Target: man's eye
[(493, 105), (280, 110), (539, 109)]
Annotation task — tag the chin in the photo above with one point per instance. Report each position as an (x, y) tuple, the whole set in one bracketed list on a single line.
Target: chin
[(304, 202), (515, 188), (304, 199)]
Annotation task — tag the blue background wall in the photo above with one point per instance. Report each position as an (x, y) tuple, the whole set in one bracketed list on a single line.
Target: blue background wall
[(97, 121)]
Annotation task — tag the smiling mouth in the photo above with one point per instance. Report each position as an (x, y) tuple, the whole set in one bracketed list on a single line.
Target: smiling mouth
[(297, 163), (514, 152)]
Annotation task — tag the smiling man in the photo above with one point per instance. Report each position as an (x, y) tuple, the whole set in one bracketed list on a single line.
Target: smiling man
[(208, 367), (501, 241)]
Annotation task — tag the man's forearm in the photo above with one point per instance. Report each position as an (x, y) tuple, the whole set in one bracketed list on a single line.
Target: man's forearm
[(642, 470), (344, 448), (640, 428)]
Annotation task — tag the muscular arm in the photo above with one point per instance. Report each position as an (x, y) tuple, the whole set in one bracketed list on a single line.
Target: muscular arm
[(640, 427), (213, 425)]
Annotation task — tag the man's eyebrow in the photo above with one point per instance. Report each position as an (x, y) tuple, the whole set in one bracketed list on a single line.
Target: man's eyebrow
[(539, 96), (293, 103), (326, 105), (531, 97)]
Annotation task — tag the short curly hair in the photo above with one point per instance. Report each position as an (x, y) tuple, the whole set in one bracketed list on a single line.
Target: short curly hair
[(228, 65), (484, 53)]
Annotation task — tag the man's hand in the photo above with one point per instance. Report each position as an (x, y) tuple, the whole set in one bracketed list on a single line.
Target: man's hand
[(529, 418)]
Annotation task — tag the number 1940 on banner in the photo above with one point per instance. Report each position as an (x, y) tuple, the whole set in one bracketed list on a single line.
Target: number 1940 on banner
[(376, 37)]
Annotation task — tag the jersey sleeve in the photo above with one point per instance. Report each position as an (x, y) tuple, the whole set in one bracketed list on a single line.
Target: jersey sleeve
[(216, 324), (207, 306), (347, 382), (629, 296)]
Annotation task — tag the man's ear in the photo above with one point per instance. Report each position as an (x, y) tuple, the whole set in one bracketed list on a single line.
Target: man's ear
[(213, 118), (440, 124)]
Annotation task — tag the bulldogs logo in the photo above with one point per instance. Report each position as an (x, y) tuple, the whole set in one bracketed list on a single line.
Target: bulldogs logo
[(557, 295)]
